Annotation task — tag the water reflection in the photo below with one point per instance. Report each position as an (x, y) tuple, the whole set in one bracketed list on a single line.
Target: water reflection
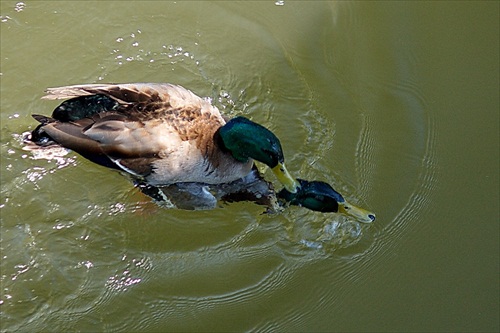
[(103, 245), (83, 250)]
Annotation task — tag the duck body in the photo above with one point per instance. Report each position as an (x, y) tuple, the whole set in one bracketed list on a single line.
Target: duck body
[(160, 133), (177, 147)]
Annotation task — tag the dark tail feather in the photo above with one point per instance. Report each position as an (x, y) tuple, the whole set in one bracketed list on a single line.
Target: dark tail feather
[(83, 107), (38, 136)]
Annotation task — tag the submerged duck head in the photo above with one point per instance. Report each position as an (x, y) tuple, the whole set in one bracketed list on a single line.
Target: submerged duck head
[(246, 139), (320, 196)]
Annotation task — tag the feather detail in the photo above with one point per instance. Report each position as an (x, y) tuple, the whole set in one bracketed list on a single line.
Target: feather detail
[(163, 133)]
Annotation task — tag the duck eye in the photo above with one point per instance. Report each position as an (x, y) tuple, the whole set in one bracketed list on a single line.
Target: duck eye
[(347, 207)]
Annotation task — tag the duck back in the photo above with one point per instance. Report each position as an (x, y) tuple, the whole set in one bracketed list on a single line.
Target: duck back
[(160, 133)]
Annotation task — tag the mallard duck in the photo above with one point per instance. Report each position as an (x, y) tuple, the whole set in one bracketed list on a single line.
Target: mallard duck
[(173, 143), (314, 195), (320, 196), (160, 133)]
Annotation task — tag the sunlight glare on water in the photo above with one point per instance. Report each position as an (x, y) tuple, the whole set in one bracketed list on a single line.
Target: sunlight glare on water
[(272, 248), (350, 90)]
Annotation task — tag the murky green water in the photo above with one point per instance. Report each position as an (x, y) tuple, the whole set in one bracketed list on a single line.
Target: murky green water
[(395, 103)]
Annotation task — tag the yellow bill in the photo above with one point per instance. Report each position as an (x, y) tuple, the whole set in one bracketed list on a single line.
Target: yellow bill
[(360, 214), (284, 178)]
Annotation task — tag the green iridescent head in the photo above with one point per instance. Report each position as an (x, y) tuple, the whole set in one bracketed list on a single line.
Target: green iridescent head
[(248, 140), (320, 196)]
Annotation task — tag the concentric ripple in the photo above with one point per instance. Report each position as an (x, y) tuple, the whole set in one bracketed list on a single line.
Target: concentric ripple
[(84, 250)]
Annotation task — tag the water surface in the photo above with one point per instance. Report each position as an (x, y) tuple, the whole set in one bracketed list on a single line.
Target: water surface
[(396, 104)]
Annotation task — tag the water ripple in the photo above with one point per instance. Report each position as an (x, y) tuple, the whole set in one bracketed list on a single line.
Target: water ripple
[(85, 251)]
